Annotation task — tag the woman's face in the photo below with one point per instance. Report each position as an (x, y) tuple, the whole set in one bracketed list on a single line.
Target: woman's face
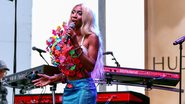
[(76, 16)]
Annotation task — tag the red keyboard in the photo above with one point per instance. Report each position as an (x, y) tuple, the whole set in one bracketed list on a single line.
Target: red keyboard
[(134, 75)]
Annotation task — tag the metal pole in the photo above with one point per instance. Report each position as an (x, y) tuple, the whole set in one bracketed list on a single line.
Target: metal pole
[(180, 82), (53, 88), (15, 44)]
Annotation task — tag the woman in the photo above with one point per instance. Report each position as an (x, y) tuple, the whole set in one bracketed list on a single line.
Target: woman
[(85, 61)]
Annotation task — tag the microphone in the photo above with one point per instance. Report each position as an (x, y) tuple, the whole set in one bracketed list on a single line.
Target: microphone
[(38, 50), (72, 26), (179, 41), (108, 53)]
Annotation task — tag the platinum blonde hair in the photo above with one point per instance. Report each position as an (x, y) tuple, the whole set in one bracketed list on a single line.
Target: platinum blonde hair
[(89, 26)]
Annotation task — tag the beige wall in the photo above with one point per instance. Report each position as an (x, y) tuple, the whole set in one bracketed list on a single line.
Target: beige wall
[(165, 22)]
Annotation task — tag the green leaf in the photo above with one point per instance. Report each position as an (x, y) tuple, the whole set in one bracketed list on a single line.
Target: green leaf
[(73, 67)]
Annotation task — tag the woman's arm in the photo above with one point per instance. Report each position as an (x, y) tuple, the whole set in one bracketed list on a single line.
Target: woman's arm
[(45, 79), (89, 60)]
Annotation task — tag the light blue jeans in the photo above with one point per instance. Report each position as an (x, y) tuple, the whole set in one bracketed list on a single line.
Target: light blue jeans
[(82, 91)]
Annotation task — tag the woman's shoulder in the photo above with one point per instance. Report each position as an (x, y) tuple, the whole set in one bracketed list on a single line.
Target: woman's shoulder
[(92, 37)]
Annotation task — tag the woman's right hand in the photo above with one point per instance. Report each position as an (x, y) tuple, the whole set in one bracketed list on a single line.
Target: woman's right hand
[(43, 80)]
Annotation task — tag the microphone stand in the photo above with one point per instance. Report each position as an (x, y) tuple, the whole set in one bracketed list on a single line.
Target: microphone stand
[(116, 62), (118, 65), (53, 87), (43, 58)]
